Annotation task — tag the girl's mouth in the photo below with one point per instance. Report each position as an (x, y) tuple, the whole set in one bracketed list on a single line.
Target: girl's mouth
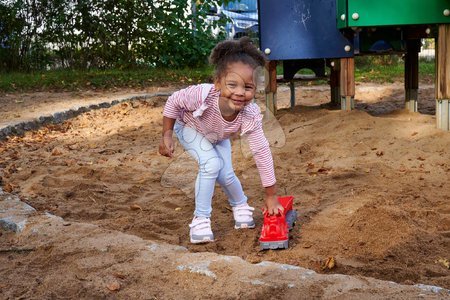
[(238, 102)]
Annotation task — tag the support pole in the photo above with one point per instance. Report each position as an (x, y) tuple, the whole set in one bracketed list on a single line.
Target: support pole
[(443, 78), (335, 82), (271, 86), (292, 87), (347, 83), (412, 75)]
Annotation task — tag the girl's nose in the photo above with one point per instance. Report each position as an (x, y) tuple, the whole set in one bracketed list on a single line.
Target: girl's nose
[(240, 91)]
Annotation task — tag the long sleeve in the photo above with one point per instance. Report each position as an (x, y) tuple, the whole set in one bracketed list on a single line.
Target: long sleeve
[(188, 99), (259, 146)]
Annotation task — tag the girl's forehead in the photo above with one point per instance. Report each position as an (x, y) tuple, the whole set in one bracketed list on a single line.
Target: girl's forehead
[(239, 72)]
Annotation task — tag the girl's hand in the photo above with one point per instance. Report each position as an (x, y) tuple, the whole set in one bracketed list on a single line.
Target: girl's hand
[(166, 146), (273, 207)]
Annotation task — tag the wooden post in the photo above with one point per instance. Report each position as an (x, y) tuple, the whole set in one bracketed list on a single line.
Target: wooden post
[(292, 87), (347, 83), (271, 86), (335, 82), (412, 75), (443, 78)]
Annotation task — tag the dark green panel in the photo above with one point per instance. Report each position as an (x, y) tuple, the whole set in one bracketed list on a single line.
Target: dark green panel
[(341, 11), (395, 12)]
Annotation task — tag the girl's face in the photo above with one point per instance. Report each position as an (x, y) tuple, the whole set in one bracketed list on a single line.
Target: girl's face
[(237, 87)]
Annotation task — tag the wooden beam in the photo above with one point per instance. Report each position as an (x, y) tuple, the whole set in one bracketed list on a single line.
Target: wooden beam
[(271, 86), (347, 83), (335, 77), (412, 75), (443, 78)]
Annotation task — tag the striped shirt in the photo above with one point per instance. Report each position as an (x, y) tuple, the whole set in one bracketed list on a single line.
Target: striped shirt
[(197, 107)]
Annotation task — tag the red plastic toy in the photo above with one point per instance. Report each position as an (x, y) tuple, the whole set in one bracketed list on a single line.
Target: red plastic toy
[(275, 230)]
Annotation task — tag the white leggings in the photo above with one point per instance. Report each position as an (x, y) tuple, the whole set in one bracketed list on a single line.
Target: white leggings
[(214, 161)]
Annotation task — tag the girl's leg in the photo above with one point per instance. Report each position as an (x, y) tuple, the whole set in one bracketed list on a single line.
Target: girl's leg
[(227, 178), (242, 212), (209, 163)]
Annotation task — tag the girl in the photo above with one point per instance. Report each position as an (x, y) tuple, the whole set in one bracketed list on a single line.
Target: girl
[(204, 117)]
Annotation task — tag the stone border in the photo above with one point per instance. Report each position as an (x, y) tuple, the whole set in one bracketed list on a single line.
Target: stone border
[(17, 129)]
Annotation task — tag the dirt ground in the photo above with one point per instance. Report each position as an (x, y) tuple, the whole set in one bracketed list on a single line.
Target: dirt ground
[(370, 186)]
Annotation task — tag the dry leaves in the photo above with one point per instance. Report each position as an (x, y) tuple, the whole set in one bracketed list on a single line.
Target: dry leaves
[(135, 207), (8, 188), (329, 263), (113, 286), (56, 151), (444, 262)]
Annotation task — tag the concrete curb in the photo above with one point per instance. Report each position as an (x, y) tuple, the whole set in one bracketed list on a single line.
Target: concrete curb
[(19, 128)]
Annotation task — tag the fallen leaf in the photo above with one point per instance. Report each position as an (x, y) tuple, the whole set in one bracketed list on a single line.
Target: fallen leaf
[(329, 263), (135, 207), (8, 188), (420, 158), (414, 133), (113, 286), (56, 152), (445, 262), (178, 208)]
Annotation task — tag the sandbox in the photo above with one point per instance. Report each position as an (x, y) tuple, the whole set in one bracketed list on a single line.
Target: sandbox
[(371, 191)]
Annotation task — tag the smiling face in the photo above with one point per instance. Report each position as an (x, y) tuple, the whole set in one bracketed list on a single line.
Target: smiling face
[(237, 86)]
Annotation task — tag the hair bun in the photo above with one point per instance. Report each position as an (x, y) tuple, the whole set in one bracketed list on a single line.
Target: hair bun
[(236, 48)]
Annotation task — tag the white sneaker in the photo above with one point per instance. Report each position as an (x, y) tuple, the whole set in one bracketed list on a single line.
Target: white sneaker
[(200, 230), (243, 216)]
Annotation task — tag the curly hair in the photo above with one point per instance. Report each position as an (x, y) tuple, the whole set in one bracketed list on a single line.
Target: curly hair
[(230, 51)]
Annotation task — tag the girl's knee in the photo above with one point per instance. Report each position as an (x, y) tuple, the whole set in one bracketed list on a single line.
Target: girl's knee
[(211, 167), (226, 178)]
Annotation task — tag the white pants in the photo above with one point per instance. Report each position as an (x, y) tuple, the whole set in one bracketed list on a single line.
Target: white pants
[(214, 161)]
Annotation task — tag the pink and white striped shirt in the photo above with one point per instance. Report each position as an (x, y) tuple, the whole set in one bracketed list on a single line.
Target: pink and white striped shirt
[(197, 106)]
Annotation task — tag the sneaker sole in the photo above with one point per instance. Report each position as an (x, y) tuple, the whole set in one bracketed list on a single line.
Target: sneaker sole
[(205, 241), (244, 226)]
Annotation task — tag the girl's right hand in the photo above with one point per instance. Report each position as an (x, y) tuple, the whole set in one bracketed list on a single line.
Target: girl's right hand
[(166, 146)]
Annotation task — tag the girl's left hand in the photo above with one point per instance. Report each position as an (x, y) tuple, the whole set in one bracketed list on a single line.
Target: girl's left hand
[(273, 207)]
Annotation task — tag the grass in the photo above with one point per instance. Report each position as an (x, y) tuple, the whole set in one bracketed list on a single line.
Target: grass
[(379, 70), (69, 80), (367, 70)]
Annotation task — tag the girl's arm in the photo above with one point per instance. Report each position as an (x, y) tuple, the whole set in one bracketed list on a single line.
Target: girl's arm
[(166, 145), (188, 99), (264, 162)]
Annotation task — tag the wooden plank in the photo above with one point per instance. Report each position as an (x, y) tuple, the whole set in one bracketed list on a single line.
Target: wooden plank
[(347, 77), (443, 63), (412, 74), (271, 76), (335, 82)]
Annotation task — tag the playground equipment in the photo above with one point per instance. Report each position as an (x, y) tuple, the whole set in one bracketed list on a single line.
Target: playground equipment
[(316, 34), (275, 230)]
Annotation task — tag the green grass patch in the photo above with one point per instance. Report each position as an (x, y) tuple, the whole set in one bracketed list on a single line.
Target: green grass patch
[(69, 80), (386, 69), (368, 69)]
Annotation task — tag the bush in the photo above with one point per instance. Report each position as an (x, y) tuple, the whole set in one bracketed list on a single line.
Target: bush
[(83, 34)]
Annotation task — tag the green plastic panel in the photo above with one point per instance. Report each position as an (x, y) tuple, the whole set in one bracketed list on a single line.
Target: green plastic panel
[(341, 12), (392, 12)]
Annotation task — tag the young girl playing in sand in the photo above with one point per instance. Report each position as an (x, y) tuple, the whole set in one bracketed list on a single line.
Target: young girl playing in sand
[(204, 117)]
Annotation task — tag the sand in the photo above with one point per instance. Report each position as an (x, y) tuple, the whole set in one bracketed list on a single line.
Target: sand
[(371, 186)]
